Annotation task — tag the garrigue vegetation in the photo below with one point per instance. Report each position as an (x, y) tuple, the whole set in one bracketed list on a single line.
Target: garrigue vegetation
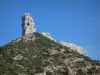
[(34, 57)]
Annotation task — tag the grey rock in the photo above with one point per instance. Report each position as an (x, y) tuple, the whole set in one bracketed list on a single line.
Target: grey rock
[(48, 36), (27, 25), (72, 46)]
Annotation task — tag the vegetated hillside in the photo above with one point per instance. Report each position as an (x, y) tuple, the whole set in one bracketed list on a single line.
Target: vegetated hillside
[(44, 57)]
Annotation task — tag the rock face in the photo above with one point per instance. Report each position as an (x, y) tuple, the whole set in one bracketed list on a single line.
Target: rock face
[(71, 45), (27, 25), (48, 36), (74, 47)]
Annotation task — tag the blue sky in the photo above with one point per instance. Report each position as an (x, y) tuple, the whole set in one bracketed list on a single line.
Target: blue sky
[(76, 21)]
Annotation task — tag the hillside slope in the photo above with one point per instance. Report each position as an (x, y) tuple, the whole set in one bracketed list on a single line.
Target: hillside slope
[(43, 56)]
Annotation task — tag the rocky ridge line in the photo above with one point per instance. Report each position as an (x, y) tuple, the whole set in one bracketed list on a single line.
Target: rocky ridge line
[(67, 44)]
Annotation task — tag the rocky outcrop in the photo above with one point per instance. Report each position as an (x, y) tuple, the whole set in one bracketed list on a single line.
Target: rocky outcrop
[(28, 29), (74, 47), (27, 25), (71, 45), (48, 36)]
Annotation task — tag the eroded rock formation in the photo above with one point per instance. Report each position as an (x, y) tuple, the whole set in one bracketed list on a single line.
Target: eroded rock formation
[(27, 25)]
